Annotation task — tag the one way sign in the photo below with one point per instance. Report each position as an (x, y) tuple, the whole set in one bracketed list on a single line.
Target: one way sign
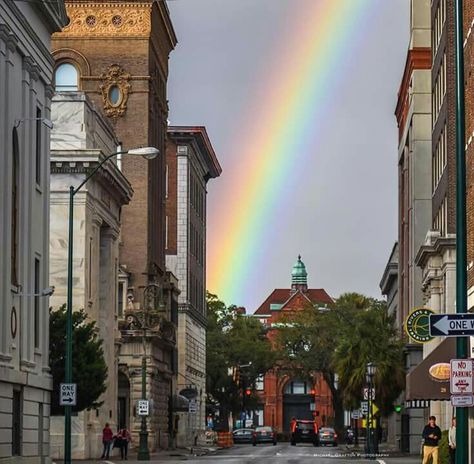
[(67, 394), (451, 325)]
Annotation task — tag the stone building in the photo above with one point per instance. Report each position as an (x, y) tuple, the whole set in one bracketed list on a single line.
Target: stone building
[(81, 138), (282, 397), (117, 53), (413, 113), (190, 164), (26, 69)]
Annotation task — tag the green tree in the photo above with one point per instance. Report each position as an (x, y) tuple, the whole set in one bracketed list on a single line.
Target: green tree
[(234, 340), (89, 370)]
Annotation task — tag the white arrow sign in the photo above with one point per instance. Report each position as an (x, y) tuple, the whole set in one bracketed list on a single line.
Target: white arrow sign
[(451, 325)]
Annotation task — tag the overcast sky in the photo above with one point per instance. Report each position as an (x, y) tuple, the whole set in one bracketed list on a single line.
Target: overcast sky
[(343, 214)]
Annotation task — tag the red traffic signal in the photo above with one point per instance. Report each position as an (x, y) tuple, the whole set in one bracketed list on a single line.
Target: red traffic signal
[(248, 392)]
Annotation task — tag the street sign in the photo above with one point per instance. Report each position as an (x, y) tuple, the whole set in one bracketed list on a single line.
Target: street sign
[(143, 408), (462, 401), (375, 409), (364, 407), (373, 423), (192, 408), (451, 325), (461, 376), (356, 414), (67, 394), (366, 393)]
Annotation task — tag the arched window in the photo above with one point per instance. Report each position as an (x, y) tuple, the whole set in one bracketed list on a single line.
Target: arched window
[(14, 208), (66, 78)]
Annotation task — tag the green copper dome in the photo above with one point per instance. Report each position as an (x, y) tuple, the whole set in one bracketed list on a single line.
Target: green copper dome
[(299, 276)]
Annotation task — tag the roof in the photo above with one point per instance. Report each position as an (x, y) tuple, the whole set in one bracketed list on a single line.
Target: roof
[(188, 134), (282, 295)]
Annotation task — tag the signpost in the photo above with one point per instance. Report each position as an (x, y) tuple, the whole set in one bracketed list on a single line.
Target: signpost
[(461, 376), (143, 408), (67, 394), (364, 407), (192, 408), (452, 325), (462, 401)]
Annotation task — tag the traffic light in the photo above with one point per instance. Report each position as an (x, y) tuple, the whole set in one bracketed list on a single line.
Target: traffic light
[(397, 408), (248, 392)]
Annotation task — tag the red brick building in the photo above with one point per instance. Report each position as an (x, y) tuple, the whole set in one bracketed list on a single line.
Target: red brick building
[(283, 397)]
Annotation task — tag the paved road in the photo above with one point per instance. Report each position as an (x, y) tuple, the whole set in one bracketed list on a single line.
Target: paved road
[(280, 454)]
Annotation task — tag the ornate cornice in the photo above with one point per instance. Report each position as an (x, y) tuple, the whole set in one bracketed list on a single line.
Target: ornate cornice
[(108, 20)]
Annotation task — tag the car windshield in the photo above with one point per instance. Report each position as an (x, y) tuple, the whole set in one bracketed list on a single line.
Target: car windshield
[(263, 429), (306, 425)]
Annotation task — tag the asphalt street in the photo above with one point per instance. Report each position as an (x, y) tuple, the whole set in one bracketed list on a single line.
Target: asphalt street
[(268, 454)]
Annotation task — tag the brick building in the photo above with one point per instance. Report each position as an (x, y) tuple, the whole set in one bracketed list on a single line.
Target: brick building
[(413, 113), (190, 163), (117, 52), (283, 397)]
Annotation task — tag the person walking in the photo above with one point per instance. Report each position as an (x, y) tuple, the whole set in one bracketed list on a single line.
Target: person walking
[(124, 438), (107, 438), (293, 425), (452, 441), (431, 435)]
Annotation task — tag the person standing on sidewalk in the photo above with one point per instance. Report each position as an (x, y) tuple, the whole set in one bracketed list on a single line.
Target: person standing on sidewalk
[(431, 435), (452, 441), (107, 438), (124, 438)]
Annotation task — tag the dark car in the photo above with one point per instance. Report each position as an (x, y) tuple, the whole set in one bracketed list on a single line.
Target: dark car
[(243, 435), (327, 436), (264, 435), (306, 432)]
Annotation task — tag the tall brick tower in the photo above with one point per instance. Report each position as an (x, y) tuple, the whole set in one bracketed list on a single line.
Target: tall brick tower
[(116, 52), (120, 51)]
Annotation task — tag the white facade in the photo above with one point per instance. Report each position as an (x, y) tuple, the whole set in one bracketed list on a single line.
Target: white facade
[(196, 164), (25, 95), (80, 139)]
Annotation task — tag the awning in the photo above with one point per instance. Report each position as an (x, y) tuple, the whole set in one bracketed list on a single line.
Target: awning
[(430, 379), (180, 403)]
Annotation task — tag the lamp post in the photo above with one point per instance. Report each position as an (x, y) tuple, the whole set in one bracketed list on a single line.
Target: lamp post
[(462, 414), (370, 374), (148, 153)]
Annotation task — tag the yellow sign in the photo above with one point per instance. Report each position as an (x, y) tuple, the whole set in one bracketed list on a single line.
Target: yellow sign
[(373, 423), (375, 409)]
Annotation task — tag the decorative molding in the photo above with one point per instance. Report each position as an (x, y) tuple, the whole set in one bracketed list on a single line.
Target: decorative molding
[(30, 66), (108, 20), (115, 79)]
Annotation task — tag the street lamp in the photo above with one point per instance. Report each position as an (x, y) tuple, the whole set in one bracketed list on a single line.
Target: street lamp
[(370, 374), (148, 153)]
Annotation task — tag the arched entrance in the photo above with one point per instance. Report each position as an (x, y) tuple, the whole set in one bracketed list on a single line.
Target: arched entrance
[(123, 401), (297, 402)]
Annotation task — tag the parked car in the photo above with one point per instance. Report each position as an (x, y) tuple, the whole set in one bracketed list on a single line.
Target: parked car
[(243, 435), (327, 436), (264, 435), (306, 432)]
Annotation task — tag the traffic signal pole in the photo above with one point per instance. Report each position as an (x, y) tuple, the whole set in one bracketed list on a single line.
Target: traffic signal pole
[(461, 229)]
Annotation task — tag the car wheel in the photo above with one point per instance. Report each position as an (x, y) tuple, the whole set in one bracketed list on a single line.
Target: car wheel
[(293, 443), (274, 443)]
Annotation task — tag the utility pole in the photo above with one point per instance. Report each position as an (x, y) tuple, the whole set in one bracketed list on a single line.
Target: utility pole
[(461, 229)]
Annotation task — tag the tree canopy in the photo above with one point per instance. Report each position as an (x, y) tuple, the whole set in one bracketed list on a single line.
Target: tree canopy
[(89, 370), (234, 340)]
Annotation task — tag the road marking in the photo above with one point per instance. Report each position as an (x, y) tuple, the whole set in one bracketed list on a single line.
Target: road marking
[(380, 461)]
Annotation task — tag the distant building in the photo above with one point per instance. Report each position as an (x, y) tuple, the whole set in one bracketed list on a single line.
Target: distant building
[(80, 139), (413, 113), (117, 52), (26, 69), (190, 164), (282, 397)]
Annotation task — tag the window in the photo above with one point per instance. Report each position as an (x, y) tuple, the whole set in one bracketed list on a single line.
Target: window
[(39, 125), (66, 78), (296, 387), (15, 192), (259, 383), (120, 299), (37, 302)]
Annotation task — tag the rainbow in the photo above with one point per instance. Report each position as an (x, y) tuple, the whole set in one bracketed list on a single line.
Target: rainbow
[(319, 34)]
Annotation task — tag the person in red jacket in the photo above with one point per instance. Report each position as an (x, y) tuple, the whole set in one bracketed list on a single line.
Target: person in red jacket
[(107, 438)]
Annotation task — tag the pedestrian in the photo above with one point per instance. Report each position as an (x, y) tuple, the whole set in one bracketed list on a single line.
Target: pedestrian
[(107, 438), (124, 438), (452, 441), (431, 435), (293, 425)]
